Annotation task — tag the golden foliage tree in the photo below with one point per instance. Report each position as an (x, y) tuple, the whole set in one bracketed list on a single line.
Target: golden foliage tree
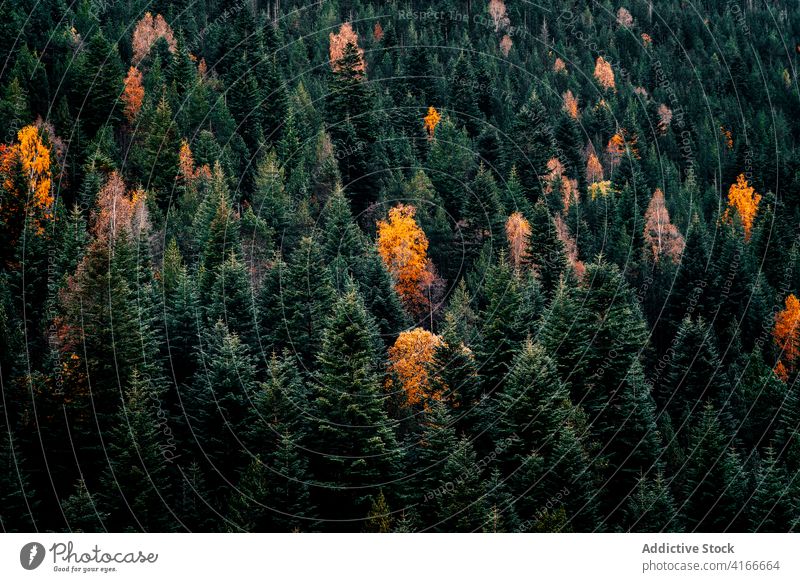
[(663, 239), (571, 104), (114, 209), (26, 174), (148, 30), (743, 199), (604, 73), (568, 186), (133, 94), (403, 246), (594, 169), (431, 120), (410, 359), (615, 150), (339, 41), (34, 157), (518, 232), (786, 335)]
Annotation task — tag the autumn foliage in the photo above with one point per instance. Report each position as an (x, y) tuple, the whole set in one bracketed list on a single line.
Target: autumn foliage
[(133, 94), (744, 200), (594, 169), (338, 43), (604, 73), (518, 232), (148, 30), (615, 150), (497, 10), (664, 118), (571, 104), (410, 359), (25, 168), (624, 18), (505, 44), (431, 120), (570, 246), (403, 246), (661, 236), (787, 336)]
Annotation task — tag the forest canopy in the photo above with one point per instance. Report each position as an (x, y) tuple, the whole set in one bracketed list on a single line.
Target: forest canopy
[(399, 266)]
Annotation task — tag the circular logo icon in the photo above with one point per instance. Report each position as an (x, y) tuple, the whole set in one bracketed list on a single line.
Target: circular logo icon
[(31, 555)]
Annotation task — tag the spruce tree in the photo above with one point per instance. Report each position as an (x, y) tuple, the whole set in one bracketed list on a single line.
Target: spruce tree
[(774, 504), (98, 84), (694, 375), (136, 485), (651, 507), (217, 406), (353, 442), (500, 331), (530, 146), (711, 483)]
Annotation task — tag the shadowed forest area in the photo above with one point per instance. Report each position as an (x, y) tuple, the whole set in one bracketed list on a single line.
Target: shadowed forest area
[(355, 266)]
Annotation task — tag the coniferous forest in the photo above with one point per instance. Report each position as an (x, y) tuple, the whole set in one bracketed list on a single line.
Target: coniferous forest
[(399, 266)]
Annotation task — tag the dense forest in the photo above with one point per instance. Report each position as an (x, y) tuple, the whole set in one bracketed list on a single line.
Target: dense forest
[(399, 266)]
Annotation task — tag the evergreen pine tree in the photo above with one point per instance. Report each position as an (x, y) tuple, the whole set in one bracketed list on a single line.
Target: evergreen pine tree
[(354, 446)]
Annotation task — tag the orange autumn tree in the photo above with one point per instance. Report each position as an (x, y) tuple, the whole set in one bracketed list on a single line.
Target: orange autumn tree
[(662, 238), (431, 120), (518, 233), (604, 74), (570, 246), (571, 104), (148, 30), (339, 41), (664, 118), (497, 10), (744, 200), (410, 359), (786, 335), (594, 169), (615, 149), (133, 94), (403, 246), (505, 44)]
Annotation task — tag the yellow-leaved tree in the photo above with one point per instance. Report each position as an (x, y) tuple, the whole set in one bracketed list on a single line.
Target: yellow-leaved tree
[(518, 233), (403, 246), (26, 173), (744, 200), (431, 120)]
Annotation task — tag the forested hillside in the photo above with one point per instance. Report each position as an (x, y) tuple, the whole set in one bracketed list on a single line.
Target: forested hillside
[(478, 266)]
